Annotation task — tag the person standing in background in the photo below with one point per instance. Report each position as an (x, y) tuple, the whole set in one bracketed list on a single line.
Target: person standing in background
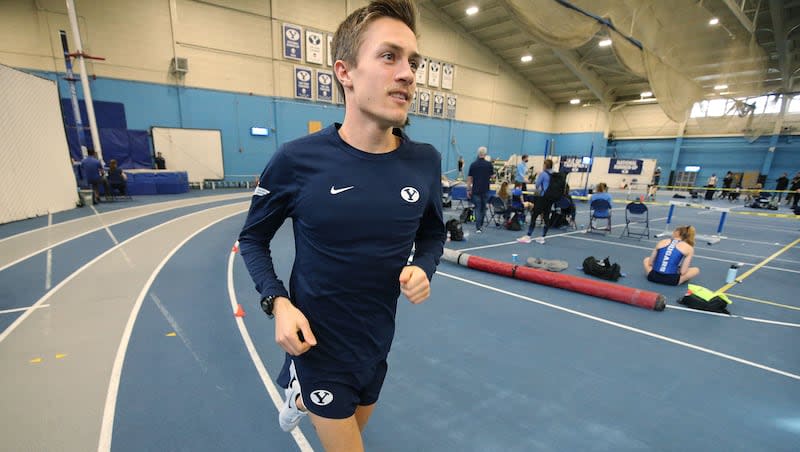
[(480, 171), (160, 162), (782, 183), (460, 168), (521, 176)]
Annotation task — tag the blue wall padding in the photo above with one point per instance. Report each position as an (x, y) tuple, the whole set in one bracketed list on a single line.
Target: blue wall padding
[(109, 115), (161, 182)]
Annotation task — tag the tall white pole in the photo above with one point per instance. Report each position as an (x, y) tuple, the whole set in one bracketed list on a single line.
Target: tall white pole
[(87, 94)]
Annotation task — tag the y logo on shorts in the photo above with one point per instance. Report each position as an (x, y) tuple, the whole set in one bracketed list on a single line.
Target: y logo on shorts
[(321, 397)]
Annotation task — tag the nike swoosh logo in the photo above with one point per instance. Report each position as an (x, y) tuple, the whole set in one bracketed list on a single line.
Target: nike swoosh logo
[(336, 191)]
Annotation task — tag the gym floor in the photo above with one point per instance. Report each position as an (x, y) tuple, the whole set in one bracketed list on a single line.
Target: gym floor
[(117, 331)]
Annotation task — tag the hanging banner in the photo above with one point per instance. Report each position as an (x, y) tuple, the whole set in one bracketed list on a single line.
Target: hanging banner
[(625, 166), (438, 105), (302, 82), (413, 107), (292, 42), (447, 75), (434, 73), (330, 50), (424, 102), (324, 85), (574, 164), (452, 99), (314, 47), (422, 71)]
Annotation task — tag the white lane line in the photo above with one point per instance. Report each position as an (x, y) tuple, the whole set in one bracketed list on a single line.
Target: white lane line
[(89, 231), (48, 271), (629, 328), (113, 238), (174, 205), (107, 426), (733, 316), (274, 394), (9, 311), (45, 297), (178, 331)]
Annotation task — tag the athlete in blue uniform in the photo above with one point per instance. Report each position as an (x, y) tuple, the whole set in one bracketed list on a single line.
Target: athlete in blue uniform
[(670, 261), (361, 196)]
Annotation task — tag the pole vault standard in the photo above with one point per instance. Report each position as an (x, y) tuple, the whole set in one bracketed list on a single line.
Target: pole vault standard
[(616, 292), (709, 239)]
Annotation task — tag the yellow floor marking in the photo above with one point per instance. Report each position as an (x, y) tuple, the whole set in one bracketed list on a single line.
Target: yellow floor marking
[(759, 265), (35, 360), (60, 355), (772, 303), (172, 334)]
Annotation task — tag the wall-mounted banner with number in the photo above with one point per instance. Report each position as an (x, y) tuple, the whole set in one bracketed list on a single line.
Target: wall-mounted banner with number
[(314, 47), (574, 164), (302, 82), (438, 104), (434, 73), (324, 85), (422, 71), (292, 42), (424, 101), (625, 166), (452, 99), (447, 75)]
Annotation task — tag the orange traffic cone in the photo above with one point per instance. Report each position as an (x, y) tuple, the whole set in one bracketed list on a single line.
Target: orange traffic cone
[(239, 311), (235, 248)]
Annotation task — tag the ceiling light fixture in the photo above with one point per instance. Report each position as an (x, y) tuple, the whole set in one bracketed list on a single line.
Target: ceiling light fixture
[(604, 43), (720, 87), (575, 101), (526, 58), (713, 21), (472, 10), (646, 94)]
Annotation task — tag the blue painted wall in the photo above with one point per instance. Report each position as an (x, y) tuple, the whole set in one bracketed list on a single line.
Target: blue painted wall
[(149, 104)]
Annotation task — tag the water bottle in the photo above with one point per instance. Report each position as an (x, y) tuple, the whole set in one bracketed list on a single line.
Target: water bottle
[(731, 277), (515, 259)]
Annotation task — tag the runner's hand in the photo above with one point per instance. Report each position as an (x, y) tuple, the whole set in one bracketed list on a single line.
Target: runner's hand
[(414, 284), (290, 323)]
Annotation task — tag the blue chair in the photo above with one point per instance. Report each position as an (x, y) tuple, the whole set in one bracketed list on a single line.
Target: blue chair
[(459, 193), (637, 213), (599, 211), (563, 213)]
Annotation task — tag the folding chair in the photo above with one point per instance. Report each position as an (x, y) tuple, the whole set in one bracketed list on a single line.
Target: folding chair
[(561, 212), (459, 193), (498, 211), (599, 210), (636, 213)]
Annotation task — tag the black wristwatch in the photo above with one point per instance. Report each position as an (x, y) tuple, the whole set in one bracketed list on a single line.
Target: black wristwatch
[(268, 304)]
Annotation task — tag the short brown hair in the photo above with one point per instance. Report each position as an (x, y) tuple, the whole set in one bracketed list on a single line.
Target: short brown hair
[(349, 36), (548, 164)]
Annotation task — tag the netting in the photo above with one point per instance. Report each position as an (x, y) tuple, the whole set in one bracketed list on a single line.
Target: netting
[(669, 43)]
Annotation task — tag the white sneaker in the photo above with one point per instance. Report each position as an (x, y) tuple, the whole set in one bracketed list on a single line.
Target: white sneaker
[(524, 239), (290, 415), (539, 240)]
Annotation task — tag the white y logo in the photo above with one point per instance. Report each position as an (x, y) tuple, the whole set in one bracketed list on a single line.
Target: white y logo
[(321, 397), (409, 194)]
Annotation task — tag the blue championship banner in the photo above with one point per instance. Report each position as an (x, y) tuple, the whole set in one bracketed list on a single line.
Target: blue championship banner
[(324, 86), (625, 166), (292, 42), (574, 164), (302, 82)]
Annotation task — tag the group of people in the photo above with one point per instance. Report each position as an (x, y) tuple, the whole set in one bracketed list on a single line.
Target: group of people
[(96, 175)]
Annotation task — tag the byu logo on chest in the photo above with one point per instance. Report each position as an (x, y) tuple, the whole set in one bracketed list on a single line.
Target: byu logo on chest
[(409, 194), (321, 397)]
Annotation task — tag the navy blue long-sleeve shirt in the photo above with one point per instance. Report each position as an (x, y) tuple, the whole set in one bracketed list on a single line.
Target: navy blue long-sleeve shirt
[(356, 216)]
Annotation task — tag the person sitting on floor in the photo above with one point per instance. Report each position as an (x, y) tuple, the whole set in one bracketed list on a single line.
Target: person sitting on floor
[(117, 178), (670, 261)]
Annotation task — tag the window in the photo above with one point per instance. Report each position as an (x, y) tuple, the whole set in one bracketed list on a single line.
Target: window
[(716, 107)]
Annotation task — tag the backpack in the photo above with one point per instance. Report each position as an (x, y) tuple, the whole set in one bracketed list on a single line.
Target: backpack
[(602, 269), (513, 223), (557, 187), (453, 227), (700, 298), (467, 215)]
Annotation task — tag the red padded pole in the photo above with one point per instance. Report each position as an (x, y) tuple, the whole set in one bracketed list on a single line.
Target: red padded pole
[(616, 292)]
